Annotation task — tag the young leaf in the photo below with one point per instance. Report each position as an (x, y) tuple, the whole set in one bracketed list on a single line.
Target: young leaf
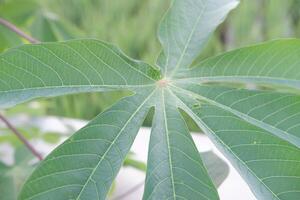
[(185, 30)]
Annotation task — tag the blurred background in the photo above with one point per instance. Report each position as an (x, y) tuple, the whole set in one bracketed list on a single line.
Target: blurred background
[(131, 25)]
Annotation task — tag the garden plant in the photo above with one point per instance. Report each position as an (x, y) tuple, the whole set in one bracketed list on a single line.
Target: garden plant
[(246, 101)]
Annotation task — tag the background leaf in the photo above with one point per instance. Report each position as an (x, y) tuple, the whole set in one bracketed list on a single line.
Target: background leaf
[(13, 177), (217, 169)]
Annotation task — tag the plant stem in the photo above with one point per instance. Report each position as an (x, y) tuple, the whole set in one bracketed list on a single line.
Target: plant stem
[(21, 137), (30, 39), (13, 28)]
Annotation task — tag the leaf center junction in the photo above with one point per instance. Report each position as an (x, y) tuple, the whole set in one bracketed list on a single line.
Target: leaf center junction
[(163, 83)]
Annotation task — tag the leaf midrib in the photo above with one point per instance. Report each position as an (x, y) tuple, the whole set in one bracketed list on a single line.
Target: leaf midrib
[(248, 118), (189, 39), (113, 142), (238, 78), (168, 144), (78, 87)]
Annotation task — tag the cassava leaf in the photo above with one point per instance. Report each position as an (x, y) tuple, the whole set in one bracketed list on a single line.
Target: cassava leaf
[(85, 166), (275, 63), (257, 130), (68, 67), (175, 170), (185, 30), (271, 166), (277, 113)]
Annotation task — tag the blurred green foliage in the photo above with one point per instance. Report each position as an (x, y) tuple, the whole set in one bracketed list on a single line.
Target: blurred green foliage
[(13, 176), (132, 25)]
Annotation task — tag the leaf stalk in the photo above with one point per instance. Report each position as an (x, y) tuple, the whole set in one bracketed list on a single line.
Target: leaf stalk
[(18, 31), (21, 137)]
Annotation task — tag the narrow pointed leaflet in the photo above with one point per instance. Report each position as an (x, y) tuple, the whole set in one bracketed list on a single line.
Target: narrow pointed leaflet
[(85, 166), (53, 69), (175, 170), (186, 28)]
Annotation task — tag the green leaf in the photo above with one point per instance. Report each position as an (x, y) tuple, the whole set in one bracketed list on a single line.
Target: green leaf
[(276, 63), (53, 69), (42, 27), (175, 170), (18, 11), (8, 39), (258, 130), (270, 165), (48, 27), (132, 162), (185, 30), (85, 166), (274, 112)]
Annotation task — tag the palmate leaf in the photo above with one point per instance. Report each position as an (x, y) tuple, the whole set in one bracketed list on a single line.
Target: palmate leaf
[(256, 129)]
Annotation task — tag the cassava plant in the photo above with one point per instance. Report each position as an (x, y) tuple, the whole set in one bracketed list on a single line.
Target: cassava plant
[(258, 130)]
